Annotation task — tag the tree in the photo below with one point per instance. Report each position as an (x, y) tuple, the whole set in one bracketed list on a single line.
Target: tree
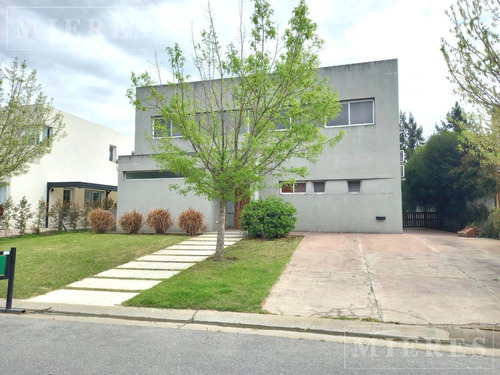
[(28, 124), (474, 66), (441, 176), (456, 120), (230, 118), (410, 134)]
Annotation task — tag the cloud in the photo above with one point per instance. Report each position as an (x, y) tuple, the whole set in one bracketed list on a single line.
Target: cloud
[(87, 73)]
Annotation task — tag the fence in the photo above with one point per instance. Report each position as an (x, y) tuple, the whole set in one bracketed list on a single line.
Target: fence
[(422, 220)]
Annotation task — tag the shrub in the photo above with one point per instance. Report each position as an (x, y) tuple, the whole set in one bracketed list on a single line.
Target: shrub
[(74, 213), (159, 220), (101, 220), (40, 214), (58, 214), (22, 214), (491, 226), (192, 222), (131, 221), (6, 218), (270, 218)]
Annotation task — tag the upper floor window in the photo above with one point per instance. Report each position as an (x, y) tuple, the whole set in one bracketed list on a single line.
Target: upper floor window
[(355, 112), (164, 128), (112, 153)]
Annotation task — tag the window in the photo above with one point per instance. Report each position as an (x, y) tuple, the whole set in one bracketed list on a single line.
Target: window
[(146, 175), (93, 196), (354, 186), (296, 188), (164, 128), (67, 193), (285, 123), (319, 187), (112, 153), (359, 112), (3, 192)]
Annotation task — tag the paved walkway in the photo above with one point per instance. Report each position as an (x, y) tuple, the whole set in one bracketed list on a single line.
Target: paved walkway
[(112, 287), (419, 277)]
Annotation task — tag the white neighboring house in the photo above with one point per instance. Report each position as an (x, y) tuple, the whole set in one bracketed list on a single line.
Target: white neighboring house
[(80, 168)]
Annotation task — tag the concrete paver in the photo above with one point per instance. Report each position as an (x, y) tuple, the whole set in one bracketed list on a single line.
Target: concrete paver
[(186, 252), (419, 277), (156, 265), (116, 284), (85, 297), (173, 258), (138, 274)]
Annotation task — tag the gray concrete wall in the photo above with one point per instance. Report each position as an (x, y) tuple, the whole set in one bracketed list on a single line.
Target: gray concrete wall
[(369, 153), (145, 195)]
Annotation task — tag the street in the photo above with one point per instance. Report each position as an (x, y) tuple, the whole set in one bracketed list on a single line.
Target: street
[(56, 345)]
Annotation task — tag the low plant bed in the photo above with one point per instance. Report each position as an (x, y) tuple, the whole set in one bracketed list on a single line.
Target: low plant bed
[(240, 282), (49, 262)]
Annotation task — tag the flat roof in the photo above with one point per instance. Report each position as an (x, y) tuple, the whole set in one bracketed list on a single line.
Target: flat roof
[(79, 184)]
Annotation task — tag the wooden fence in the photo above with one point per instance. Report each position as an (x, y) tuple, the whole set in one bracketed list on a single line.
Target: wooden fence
[(422, 220)]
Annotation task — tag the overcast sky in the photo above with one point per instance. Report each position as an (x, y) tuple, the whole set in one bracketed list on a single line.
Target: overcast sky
[(84, 51)]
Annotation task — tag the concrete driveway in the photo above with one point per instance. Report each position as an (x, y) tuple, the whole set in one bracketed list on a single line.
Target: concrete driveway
[(419, 277)]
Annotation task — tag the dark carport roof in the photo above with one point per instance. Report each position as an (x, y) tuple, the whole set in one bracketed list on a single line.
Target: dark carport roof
[(78, 184)]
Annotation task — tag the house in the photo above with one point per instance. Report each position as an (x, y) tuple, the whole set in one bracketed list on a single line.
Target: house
[(81, 167), (354, 187)]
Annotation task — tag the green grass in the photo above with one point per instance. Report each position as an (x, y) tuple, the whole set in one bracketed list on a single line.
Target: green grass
[(240, 283), (49, 262)]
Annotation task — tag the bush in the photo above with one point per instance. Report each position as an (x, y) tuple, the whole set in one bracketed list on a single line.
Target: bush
[(192, 222), (491, 226), (131, 222), (270, 218), (40, 214), (159, 220), (101, 220), (58, 215), (22, 214)]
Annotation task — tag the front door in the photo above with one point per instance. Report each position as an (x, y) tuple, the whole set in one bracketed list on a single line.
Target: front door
[(233, 214)]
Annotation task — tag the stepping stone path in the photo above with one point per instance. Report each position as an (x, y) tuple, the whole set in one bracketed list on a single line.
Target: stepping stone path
[(112, 287)]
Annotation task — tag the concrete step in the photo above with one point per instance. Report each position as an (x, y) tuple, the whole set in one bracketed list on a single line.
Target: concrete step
[(84, 297), (137, 274), (115, 284), (185, 252), (172, 258), (156, 265)]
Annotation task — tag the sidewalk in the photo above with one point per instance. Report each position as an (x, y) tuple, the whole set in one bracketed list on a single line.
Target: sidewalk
[(474, 340)]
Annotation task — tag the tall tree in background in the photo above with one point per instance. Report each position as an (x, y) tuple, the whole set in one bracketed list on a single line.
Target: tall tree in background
[(473, 60), (229, 119), (410, 134), (28, 123), (456, 120)]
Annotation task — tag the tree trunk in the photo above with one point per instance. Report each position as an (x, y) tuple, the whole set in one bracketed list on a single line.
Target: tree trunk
[(221, 226)]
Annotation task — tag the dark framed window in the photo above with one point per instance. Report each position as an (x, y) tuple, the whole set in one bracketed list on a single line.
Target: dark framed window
[(319, 187), (147, 175), (354, 186), (355, 112)]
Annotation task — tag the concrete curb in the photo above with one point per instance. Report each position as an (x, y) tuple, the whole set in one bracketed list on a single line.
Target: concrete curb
[(444, 335)]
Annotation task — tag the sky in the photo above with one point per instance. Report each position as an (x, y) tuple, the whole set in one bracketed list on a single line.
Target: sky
[(84, 51)]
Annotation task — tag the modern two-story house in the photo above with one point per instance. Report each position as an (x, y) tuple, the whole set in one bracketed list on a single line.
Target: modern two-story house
[(81, 167), (354, 187)]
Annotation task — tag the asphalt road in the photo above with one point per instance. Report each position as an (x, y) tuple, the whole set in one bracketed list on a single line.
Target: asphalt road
[(56, 346)]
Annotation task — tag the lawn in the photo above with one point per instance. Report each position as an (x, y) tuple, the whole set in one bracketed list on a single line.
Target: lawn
[(239, 283), (49, 262)]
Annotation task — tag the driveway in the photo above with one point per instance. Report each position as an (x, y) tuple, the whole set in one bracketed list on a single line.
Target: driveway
[(419, 277)]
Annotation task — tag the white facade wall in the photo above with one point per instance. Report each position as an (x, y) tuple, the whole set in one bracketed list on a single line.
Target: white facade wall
[(82, 155)]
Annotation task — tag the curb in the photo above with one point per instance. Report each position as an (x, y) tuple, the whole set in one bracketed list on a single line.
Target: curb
[(465, 337)]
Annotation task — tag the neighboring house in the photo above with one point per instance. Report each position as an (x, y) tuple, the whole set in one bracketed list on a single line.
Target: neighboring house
[(81, 167), (354, 187)]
